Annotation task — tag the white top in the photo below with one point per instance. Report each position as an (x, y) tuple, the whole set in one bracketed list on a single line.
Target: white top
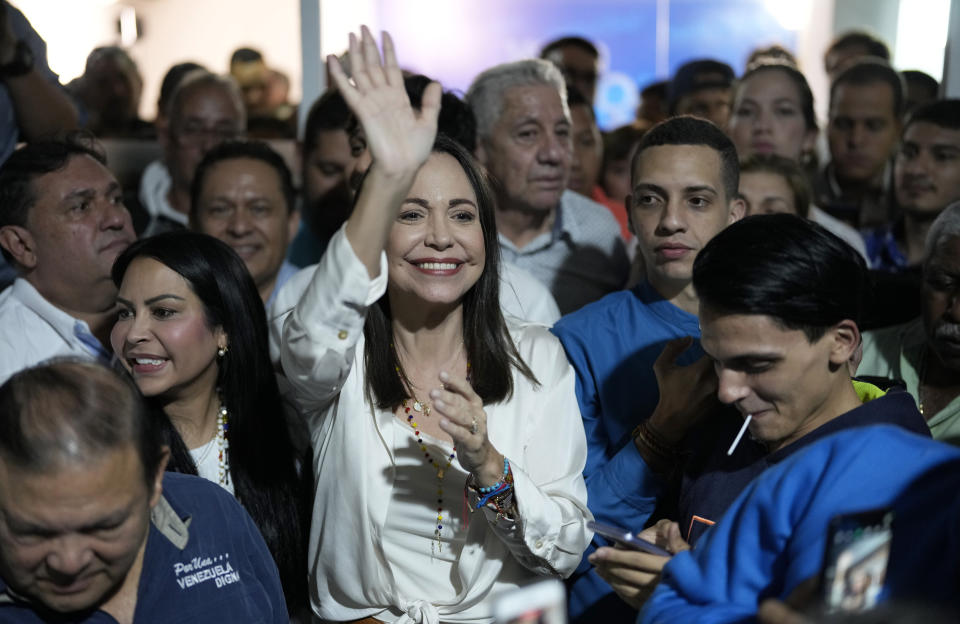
[(409, 540), (154, 186), (538, 429), (33, 330), (849, 235), (521, 295), (208, 464)]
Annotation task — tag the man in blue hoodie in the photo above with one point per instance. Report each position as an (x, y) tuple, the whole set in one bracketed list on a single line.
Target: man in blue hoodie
[(780, 305), (773, 537)]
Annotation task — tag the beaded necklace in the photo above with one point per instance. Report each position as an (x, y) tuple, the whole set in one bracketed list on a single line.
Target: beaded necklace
[(223, 445), (435, 546), (424, 408)]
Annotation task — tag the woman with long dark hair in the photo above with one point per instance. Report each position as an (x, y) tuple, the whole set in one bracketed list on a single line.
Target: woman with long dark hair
[(448, 442), (192, 332)]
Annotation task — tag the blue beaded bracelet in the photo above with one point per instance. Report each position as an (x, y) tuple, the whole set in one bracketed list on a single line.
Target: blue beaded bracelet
[(502, 481)]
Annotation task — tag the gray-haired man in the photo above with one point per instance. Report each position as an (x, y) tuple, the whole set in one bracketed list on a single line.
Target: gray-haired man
[(568, 242)]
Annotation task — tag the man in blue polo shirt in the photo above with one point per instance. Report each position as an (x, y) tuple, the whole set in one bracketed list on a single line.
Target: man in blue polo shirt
[(684, 178), (93, 530)]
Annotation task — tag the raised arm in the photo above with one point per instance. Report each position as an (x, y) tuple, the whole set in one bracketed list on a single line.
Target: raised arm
[(399, 139), (320, 336)]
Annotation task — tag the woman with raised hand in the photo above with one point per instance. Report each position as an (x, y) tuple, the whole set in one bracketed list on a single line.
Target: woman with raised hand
[(192, 332), (448, 443)]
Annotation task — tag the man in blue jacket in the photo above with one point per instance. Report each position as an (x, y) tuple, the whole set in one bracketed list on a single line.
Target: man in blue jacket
[(773, 537), (92, 530), (684, 178), (780, 303)]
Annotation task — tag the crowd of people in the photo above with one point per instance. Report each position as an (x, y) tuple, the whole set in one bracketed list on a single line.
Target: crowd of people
[(393, 375)]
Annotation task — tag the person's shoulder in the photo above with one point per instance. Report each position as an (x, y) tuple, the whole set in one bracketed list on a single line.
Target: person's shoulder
[(291, 291), (191, 495), (608, 311)]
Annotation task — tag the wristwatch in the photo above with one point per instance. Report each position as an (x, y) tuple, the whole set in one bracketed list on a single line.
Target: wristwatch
[(20, 64)]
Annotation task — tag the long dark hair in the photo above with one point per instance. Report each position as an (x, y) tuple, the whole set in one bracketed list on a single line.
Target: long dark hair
[(263, 459), (490, 350)]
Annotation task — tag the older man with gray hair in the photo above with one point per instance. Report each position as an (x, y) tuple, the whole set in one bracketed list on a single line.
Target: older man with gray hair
[(567, 241), (204, 110), (925, 353)]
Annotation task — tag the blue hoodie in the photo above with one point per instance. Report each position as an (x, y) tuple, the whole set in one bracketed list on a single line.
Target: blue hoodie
[(773, 535)]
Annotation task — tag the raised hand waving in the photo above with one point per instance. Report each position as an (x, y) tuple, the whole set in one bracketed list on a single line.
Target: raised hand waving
[(398, 136)]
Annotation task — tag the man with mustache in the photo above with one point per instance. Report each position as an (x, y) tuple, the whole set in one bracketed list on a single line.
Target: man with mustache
[(925, 353), (684, 180), (62, 224), (927, 178)]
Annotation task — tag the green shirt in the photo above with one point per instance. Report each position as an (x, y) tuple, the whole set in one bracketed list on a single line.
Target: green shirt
[(897, 352)]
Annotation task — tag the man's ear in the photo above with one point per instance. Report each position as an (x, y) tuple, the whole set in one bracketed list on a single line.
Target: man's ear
[(157, 490), (19, 243), (846, 341), (738, 208)]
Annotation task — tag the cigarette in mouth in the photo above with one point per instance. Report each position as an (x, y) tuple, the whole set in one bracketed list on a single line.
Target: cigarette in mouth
[(736, 441)]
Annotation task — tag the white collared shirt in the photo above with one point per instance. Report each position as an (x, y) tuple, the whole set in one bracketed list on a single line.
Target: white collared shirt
[(539, 429), (33, 330)]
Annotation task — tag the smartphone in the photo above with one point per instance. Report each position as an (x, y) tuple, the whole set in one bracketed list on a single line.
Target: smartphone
[(626, 539), (543, 602), (855, 563)]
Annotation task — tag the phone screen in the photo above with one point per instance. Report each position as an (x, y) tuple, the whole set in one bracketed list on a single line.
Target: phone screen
[(855, 566)]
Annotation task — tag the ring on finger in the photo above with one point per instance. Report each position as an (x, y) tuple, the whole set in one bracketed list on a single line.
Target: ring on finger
[(474, 426)]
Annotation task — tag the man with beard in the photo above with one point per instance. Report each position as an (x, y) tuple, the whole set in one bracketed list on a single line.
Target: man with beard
[(925, 353), (327, 163)]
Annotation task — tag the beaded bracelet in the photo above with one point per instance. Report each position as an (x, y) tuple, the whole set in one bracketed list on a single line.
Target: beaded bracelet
[(503, 479), (497, 491)]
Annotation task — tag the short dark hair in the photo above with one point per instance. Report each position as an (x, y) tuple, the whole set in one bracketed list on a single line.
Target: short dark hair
[(869, 70), (860, 39), (231, 150), (943, 113), (245, 55), (690, 130), (328, 112), (785, 267), (68, 412), (788, 169), (570, 41), (657, 89), (922, 79), (576, 98), (17, 193)]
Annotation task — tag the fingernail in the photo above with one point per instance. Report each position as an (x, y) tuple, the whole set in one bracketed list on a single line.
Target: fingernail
[(444, 376), (439, 404), (434, 394)]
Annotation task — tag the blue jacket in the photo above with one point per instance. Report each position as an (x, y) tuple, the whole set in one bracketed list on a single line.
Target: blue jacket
[(612, 345), (712, 479), (773, 535), (221, 571)]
